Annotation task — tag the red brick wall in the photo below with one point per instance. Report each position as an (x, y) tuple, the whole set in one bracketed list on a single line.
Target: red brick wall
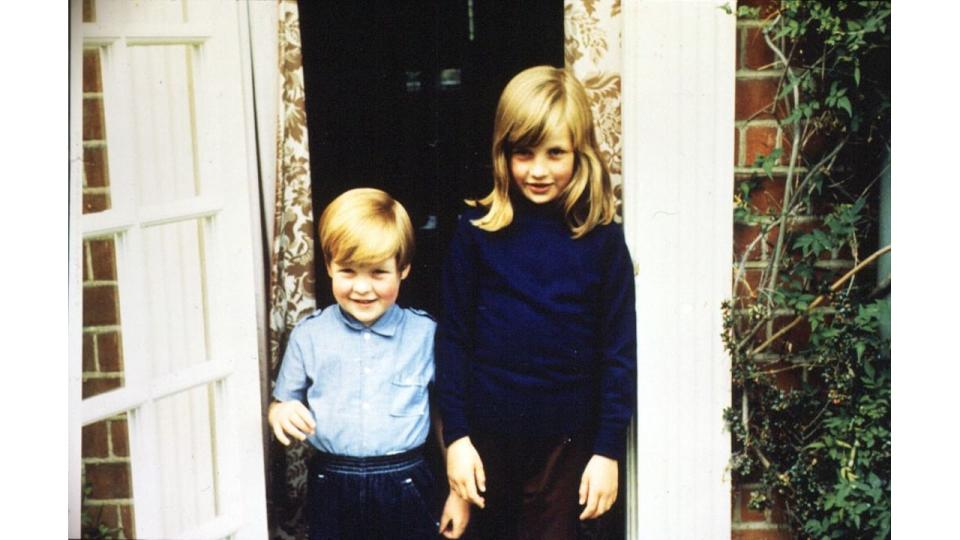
[(756, 133), (105, 445)]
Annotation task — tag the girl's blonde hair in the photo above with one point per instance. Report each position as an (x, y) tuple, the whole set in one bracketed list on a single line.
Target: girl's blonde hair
[(535, 103), (366, 226)]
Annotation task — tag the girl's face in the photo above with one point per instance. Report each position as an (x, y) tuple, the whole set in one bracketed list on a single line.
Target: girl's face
[(542, 172)]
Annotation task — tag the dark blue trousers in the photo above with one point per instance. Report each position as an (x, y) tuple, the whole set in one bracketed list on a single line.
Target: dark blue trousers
[(383, 497)]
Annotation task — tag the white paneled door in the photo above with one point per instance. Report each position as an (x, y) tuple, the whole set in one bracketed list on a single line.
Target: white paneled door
[(176, 112)]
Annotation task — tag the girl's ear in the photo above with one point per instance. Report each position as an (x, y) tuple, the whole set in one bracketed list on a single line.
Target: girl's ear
[(404, 272)]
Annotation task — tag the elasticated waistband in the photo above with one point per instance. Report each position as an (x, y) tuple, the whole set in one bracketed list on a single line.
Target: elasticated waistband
[(367, 465)]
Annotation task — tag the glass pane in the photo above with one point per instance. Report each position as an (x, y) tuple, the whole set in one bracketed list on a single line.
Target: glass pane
[(175, 296), (96, 177), (164, 121), (108, 508), (187, 490), (102, 344)]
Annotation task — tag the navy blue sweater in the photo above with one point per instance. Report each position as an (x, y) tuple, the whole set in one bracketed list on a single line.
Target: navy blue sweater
[(537, 335)]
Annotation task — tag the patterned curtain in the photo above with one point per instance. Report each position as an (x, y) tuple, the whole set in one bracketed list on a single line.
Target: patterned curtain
[(592, 30), (292, 278)]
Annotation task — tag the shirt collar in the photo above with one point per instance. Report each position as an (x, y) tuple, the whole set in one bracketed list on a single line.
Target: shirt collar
[(385, 326)]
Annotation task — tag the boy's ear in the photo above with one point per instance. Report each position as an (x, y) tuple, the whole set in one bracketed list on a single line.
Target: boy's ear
[(329, 270), (404, 272)]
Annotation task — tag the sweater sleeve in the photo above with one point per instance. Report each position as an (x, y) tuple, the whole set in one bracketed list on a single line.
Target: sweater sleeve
[(618, 336), (455, 331)]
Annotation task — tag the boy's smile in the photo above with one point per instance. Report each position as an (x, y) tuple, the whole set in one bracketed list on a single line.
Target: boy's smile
[(366, 291)]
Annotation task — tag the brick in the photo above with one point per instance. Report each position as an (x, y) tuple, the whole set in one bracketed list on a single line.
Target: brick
[(84, 260), (785, 376), (88, 356), (91, 70), (95, 387), (129, 525), (767, 7), (816, 145), (738, 48), (109, 352), (736, 148), (95, 172), (120, 438), (103, 259), (767, 196), (100, 305), (760, 534), (109, 480), (755, 98), (756, 54), (794, 230), (760, 140), (742, 501), (748, 284), (93, 119), (778, 513), (742, 236), (95, 202), (790, 343), (89, 11), (94, 441), (102, 514)]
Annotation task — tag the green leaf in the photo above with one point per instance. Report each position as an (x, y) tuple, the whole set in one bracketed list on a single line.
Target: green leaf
[(844, 103)]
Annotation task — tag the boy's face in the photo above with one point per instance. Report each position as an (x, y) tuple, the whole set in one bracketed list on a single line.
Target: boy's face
[(542, 172), (366, 291)]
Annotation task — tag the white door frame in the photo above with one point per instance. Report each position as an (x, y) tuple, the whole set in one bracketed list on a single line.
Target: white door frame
[(227, 168), (678, 118)]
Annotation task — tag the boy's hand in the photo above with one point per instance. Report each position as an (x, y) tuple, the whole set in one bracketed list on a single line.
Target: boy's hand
[(598, 486), (465, 471), (290, 418), (456, 515)]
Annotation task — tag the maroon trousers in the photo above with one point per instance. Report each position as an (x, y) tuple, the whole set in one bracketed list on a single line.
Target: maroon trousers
[(532, 490)]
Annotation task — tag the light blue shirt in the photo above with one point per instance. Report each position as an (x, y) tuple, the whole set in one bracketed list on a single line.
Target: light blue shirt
[(366, 386)]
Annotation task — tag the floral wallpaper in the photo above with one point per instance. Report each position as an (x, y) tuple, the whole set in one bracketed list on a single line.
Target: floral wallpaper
[(292, 279), (592, 30)]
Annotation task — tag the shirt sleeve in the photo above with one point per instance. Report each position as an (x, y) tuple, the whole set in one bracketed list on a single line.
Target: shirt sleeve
[(455, 331), (618, 348), (292, 381)]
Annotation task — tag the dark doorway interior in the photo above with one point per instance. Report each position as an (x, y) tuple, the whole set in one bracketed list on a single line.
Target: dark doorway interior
[(401, 96)]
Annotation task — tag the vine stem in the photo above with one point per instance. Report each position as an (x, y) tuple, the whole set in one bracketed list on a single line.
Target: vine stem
[(794, 153), (820, 299)]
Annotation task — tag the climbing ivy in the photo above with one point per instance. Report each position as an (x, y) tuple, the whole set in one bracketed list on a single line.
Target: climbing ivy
[(810, 358)]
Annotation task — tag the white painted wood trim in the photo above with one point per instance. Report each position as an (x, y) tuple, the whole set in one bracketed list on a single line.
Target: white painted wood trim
[(75, 272), (132, 396), (678, 114), (225, 112)]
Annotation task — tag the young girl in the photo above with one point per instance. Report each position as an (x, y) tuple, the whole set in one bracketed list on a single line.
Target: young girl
[(536, 345)]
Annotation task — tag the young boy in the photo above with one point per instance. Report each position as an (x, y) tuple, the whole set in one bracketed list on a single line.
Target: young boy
[(354, 380)]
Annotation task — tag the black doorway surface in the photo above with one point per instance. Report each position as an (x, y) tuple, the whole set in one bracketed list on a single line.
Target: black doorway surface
[(400, 95)]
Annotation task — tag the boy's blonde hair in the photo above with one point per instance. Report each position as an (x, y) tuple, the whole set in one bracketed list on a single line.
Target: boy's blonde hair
[(366, 226), (535, 103)]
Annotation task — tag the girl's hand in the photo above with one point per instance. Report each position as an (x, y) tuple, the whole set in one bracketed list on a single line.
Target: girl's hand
[(456, 515), (290, 418), (465, 471), (598, 486)]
